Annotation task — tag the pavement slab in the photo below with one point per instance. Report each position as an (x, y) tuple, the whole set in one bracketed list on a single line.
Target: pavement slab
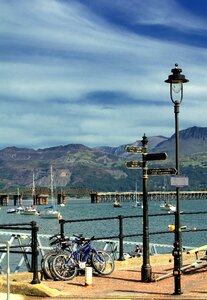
[(123, 283)]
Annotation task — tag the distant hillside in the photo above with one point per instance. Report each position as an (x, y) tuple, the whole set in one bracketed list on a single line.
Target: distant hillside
[(153, 141), (192, 140), (102, 168)]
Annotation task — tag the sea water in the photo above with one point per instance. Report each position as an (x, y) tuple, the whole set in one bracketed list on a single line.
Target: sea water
[(84, 209)]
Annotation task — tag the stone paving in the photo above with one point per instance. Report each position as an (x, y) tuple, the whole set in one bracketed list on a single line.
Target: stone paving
[(123, 283)]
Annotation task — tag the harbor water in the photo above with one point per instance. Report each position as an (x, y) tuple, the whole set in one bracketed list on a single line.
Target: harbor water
[(84, 209)]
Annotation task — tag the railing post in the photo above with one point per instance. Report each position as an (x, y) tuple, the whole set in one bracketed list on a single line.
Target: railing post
[(62, 222), (35, 253), (121, 239), (8, 270)]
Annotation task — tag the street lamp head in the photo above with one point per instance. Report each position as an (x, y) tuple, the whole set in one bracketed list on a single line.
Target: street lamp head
[(176, 80)]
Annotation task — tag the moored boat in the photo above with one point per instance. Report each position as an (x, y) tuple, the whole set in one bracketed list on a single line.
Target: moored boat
[(138, 204), (11, 211), (20, 209), (117, 204), (168, 207), (51, 212), (30, 210)]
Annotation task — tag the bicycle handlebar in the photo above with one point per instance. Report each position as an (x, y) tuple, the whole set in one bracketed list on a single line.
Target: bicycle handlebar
[(54, 236), (80, 239)]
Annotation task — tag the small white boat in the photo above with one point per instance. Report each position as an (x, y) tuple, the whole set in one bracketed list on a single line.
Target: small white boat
[(138, 204), (168, 207), (20, 209), (29, 210), (117, 204), (11, 211), (51, 212)]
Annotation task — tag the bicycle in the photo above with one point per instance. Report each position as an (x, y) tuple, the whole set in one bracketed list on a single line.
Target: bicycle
[(66, 266), (61, 244)]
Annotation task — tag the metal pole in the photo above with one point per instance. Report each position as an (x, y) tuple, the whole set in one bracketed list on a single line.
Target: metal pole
[(62, 222), (121, 238), (177, 252), (146, 271), (35, 254), (8, 270)]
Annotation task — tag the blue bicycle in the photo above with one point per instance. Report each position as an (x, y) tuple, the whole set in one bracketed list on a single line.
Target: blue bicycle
[(66, 265)]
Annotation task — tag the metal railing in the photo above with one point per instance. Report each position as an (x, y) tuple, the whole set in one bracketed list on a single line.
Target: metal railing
[(115, 242), (121, 236), (20, 249)]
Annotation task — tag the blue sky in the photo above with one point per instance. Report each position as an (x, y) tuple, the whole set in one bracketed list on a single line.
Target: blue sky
[(93, 71)]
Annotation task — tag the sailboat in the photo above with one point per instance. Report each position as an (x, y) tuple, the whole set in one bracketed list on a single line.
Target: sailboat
[(117, 204), (51, 212), (166, 205), (30, 210), (137, 202)]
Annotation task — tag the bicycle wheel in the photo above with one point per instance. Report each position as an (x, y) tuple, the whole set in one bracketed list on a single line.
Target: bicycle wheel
[(64, 268), (46, 265), (102, 262)]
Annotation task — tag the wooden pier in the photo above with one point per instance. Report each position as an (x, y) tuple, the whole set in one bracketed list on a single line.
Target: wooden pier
[(100, 197), (38, 199)]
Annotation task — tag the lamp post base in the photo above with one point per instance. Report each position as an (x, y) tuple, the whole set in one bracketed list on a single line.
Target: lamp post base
[(146, 273)]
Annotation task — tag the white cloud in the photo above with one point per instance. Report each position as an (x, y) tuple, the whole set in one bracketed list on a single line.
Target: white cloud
[(161, 12), (57, 53)]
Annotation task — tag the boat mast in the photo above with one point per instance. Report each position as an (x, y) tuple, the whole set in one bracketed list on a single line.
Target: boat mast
[(51, 180), (33, 189)]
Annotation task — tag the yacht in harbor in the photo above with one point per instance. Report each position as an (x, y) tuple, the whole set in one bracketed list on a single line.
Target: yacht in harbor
[(117, 204), (51, 212), (30, 210), (168, 207)]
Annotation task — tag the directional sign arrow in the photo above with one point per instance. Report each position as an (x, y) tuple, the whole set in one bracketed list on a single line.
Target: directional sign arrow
[(157, 172), (155, 156), (134, 149), (133, 164)]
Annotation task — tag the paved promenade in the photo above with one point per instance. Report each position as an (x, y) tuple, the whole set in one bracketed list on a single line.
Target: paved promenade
[(124, 283)]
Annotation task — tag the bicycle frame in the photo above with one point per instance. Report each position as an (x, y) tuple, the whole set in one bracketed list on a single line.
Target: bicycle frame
[(86, 249)]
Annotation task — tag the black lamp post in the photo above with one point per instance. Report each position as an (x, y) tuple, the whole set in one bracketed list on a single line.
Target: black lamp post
[(176, 80)]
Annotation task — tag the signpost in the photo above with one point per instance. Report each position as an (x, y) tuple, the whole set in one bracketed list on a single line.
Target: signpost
[(134, 164), (146, 271), (157, 172), (155, 156), (134, 149), (146, 157)]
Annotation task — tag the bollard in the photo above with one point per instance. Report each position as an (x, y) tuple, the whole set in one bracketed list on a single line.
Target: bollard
[(88, 276)]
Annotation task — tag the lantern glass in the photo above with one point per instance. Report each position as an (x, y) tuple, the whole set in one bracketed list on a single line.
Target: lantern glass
[(176, 87)]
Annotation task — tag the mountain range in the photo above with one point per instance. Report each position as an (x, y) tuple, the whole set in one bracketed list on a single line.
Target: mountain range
[(103, 168)]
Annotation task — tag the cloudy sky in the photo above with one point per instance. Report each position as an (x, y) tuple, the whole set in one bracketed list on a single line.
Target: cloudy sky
[(93, 71)]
